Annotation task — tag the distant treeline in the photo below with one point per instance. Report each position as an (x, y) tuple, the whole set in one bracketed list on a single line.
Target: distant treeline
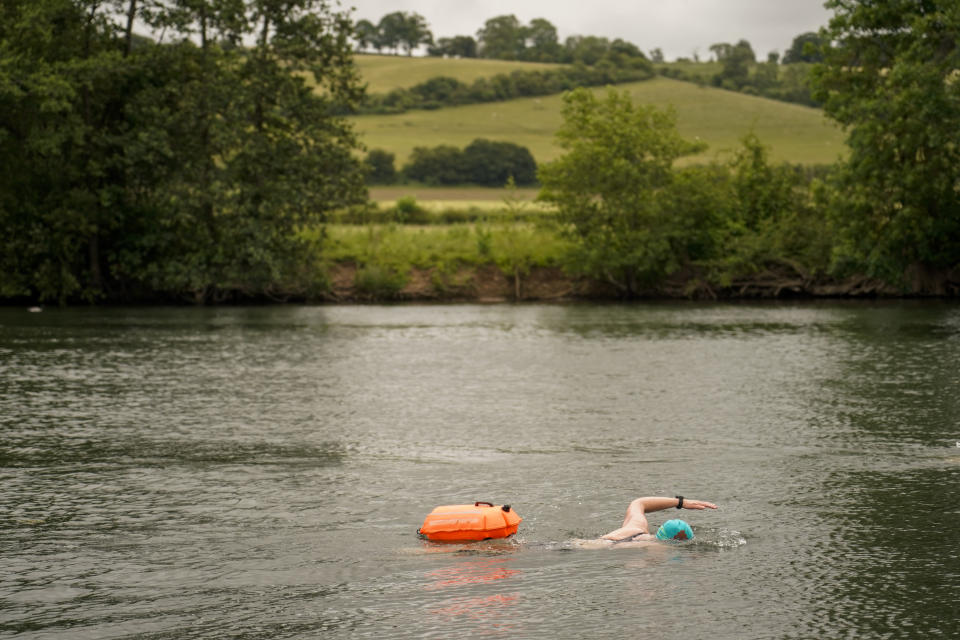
[(482, 162), (501, 38), (599, 61), (442, 91), (739, 70)]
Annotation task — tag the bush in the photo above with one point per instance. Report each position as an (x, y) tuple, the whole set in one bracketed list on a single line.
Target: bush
[(380, 167), (494, 163), (442, 91), (440, 165), (408, 211), (482, 162), (379, 282)]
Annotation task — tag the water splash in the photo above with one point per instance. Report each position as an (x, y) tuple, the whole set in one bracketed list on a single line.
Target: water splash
[(722, 539)]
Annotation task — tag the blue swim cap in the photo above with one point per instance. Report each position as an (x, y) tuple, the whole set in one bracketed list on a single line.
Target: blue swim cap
[(675, 530)]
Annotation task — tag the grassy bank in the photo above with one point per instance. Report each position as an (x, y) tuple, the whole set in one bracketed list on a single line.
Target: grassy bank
[(795, 133), (460, 261), (402, 247), (516, 261)]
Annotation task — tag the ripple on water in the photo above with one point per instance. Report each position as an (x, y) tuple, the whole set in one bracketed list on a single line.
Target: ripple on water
[(257, 473)]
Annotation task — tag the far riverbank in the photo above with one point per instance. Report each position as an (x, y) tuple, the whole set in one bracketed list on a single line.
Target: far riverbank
[(489, 284)]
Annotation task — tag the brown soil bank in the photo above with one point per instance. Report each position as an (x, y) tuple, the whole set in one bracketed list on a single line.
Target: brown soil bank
[(487, 283)]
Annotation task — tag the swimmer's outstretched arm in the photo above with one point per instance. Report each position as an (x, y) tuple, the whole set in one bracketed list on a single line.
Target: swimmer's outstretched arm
[(635, 521)]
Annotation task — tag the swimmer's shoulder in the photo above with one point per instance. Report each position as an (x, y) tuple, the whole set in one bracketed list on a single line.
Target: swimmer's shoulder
[(639, 540)]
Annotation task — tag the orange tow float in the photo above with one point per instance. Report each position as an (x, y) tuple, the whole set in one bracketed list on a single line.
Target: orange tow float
[(464, 522)]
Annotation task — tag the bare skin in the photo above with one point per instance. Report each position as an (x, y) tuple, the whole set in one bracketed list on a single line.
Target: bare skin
[(635, 525)]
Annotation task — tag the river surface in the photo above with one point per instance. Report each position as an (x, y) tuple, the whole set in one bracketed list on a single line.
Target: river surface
[(262, 472)]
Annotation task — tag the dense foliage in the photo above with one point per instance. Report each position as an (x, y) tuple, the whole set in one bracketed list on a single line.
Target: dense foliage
[(200, 165), (443, 91), (613, 189), (131, 169), (891, 76), (806, 47), (635, 219), (501, 38), (736, 68), (395, 30), (482, 162)]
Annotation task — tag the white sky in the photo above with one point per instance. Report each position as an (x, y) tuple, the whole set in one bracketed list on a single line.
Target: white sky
[(678, 27)]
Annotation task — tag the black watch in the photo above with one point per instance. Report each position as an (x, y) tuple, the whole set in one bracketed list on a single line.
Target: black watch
[(679, 504)]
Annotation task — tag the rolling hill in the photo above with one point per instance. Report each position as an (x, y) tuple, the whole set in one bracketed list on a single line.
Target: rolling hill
[(795, 133), (385, 73)]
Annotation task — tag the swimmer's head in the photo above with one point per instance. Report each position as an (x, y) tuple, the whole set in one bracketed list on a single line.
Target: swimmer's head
[(675, 530)]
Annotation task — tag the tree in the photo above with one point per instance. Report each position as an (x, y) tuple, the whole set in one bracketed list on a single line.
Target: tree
[(806, 47), (366, 35), (613, 188), (764, 192), (380, 167), (772, 223), (266, 155), (456, 47), (502, 38), (721, 50), (54, 158), (656, 55), (587, 49), (890, 77), (414, 32), (440, 165), (493, 164), (177, 169), (542, 39), (766, 75), (391, 30), (736, 61)]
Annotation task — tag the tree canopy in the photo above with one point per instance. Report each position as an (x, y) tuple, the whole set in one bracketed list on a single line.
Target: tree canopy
[(806, 47), (176, 168), (613, 189), (502, 37), (891, 77)]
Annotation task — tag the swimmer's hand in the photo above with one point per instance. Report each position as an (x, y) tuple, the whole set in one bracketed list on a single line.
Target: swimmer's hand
[(698, 504)]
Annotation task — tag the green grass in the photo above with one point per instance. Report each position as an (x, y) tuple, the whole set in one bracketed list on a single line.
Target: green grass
[(795, 133), (385, 73), (400, 247), (485, 198)]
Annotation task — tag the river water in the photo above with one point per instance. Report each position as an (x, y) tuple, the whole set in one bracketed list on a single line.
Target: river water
[(262, 472)]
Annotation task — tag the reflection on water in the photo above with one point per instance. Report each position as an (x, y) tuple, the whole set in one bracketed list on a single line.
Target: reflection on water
[(261, 472), (471, 573), (491, 610)]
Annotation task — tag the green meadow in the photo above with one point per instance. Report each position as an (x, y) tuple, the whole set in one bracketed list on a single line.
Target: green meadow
[(795, 133), (385, 73), (402, 247), (439, 198)]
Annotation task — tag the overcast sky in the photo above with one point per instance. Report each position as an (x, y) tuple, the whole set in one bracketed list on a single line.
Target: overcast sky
[(678, 27)]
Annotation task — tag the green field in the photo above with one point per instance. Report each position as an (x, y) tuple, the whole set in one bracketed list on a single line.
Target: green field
[(433, 198), (385, 73), (402, 247), (795, 133)]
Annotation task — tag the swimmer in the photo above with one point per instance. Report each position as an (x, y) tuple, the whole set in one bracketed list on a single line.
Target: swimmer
[(635, 528)]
